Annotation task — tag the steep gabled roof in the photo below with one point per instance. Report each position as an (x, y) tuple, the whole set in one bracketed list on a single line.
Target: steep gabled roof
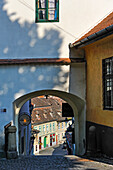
[(47, 110), (105, 26)]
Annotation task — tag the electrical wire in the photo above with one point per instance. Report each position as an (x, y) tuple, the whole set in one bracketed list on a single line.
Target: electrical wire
[(28, 6), (83, 33)]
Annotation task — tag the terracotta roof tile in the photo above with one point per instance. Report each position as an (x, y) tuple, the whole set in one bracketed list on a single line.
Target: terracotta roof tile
[(52, 112), (62, 61), (35, 61)]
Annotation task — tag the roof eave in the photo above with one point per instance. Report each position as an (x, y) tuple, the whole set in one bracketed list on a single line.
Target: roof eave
[(94, 37)]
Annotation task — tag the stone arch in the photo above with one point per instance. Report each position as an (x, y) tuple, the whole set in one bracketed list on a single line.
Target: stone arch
[(77, 104)]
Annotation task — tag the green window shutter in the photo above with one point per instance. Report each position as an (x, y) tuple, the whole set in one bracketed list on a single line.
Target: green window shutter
[(47, 11)]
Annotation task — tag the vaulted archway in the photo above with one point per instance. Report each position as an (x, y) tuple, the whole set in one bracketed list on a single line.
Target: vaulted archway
[(77, 104)]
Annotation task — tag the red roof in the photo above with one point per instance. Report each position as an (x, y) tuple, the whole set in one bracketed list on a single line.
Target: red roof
[(64, 61), (42, 113), (106, 22)]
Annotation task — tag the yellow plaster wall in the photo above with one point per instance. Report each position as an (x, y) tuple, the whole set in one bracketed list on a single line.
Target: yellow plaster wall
[(94, 54)]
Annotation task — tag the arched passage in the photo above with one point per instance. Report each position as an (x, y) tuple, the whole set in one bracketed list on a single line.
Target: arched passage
[(77, 104)]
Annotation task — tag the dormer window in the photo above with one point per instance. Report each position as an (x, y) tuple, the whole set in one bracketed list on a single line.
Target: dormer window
[(47, 10), (59, 113), (51, 114), (38, 116), (45, 116)]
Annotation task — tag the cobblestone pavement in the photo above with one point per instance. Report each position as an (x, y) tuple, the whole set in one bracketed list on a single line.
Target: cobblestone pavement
[(55, 160), (55, 150), (52, 162)]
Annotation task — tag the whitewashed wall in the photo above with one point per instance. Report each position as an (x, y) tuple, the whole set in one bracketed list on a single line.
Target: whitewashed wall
[(19, 80), (21, 37)]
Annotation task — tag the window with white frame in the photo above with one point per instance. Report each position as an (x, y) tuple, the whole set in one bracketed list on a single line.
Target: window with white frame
[(40, 128), (53, 126), (35, 127), (50, 127), (43, 128), (47, 128)]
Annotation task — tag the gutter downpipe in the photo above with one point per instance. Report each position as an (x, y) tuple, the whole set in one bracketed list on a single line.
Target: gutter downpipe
[(92, 38)]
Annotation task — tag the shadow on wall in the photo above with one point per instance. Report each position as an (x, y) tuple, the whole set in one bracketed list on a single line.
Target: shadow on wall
[(19, 80), (23, 41)]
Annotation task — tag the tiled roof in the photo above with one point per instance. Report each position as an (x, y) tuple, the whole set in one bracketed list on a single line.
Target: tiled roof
[(106, 22), (62, 61), (47, 110)]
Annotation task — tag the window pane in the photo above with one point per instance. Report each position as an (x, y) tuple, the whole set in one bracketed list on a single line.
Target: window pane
[(43, 128), (42, 3), (40, 129), (47, 10), (51, 4), (42, 14), (108, 83), (47, 128), (52, 14)]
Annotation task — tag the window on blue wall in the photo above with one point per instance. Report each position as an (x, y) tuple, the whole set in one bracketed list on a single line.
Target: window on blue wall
[(47, 10), (108, 83)]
